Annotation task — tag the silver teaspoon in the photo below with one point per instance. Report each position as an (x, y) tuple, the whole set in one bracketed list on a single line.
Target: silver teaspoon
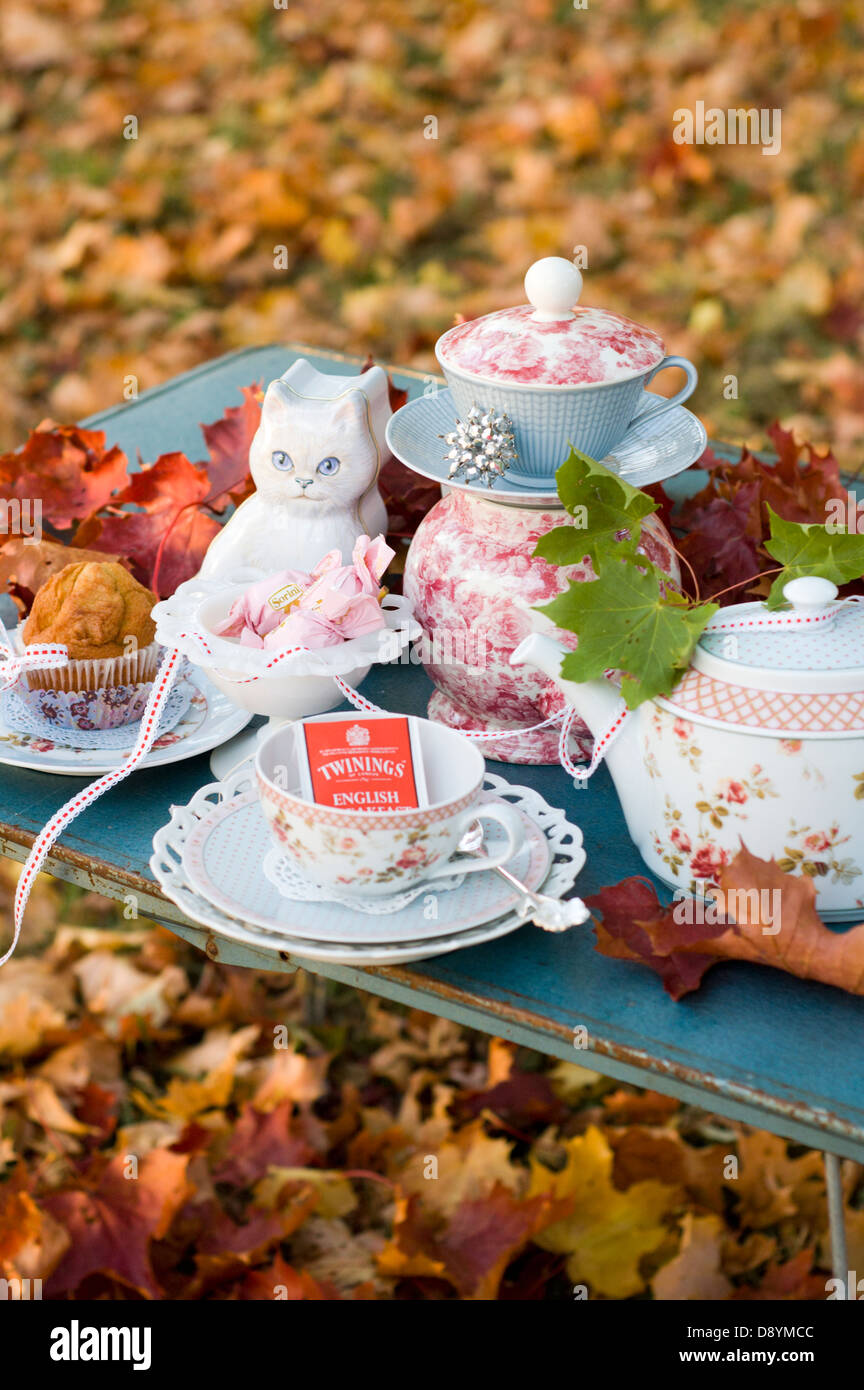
[(551, 914)]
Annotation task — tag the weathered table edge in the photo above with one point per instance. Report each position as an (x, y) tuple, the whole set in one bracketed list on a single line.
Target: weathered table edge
[(817, 1129)]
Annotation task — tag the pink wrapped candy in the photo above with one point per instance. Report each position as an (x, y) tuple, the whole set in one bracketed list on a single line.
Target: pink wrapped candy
[(332, 604)]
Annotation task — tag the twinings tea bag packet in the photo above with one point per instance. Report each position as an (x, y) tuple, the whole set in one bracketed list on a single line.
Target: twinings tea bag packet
[(371, 763)]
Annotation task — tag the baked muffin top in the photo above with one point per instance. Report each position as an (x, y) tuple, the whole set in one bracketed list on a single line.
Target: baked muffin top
[(96, 610)]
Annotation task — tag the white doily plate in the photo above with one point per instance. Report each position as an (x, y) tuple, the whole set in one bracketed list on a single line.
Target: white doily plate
[(347, 933), (211, 719), (287, 878), (223, 858), (20, 719)]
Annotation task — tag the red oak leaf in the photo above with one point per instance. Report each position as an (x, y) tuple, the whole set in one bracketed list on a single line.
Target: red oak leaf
[(66, 469), (473, 1248), (726, 523), (112, 1218), (798, 489), (167, 539), (752, 898), (637, 927), (261, 1141), (228, 442), (722, 543)]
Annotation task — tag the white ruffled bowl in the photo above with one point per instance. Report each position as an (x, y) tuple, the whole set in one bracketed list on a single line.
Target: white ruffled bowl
[(299, 685)]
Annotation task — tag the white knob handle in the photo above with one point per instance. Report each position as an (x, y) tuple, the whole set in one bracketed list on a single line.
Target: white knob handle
[(553, 286), (810, 594)]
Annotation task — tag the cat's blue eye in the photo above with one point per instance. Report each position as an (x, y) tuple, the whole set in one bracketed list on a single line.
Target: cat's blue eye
[(329, 466), (281, 460)]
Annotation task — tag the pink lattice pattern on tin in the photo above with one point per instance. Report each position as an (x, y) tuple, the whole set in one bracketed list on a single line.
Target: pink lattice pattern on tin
[(825, 713)]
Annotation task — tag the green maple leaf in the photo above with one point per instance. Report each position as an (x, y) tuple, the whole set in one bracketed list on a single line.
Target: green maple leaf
[(804, 550), (625, 622), (607, 514)]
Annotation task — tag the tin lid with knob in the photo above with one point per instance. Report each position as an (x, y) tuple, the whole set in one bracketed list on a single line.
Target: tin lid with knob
[(552, 341), (814, 645)]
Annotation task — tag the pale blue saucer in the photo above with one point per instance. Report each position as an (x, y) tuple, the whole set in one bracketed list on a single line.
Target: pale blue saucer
[(651, 450)]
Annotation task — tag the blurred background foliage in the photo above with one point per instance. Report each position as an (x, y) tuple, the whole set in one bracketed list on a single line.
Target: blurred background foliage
[(306, 127)]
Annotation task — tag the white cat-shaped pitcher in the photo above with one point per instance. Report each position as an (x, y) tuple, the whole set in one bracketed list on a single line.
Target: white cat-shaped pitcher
[(315, 460)]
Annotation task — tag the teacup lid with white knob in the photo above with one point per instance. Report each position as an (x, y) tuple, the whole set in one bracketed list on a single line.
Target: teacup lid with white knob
[(553, 340), (814, 644)]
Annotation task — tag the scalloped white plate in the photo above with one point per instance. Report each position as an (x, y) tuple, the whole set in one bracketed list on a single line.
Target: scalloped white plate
[(211, 719), (347, 935)]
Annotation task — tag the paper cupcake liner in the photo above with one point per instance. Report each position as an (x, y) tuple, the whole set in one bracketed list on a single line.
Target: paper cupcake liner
[(100, 694), (20, 712), (132, 669)]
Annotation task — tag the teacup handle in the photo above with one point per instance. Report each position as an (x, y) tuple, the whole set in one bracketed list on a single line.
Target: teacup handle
[(686, 390), (514, 828)]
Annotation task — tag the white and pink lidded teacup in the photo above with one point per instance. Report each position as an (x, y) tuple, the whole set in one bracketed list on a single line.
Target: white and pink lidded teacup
[(373, 853), (564, 375)]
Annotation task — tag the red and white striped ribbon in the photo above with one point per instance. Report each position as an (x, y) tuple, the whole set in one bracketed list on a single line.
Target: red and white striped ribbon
[(165, 678), (245, 680), (35, 658), (478, 735), (760, 621), (566, 718), (602, 743)]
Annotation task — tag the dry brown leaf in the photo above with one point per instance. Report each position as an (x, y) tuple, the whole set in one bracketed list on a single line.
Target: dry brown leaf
[(695, 1272), (34, 1001)]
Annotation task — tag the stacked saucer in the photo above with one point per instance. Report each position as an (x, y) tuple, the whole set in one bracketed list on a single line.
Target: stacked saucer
[(659, 444), (215, 860)]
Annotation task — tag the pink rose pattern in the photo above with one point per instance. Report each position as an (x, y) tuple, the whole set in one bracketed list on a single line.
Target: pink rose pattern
[(707, 862), (471, 570), (811, 851)]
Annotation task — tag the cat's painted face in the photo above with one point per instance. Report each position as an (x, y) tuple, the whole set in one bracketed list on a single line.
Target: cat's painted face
[(319, 453)]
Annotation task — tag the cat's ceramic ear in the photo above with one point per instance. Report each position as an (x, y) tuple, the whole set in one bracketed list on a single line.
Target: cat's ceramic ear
[(277, 397), (351, 406)]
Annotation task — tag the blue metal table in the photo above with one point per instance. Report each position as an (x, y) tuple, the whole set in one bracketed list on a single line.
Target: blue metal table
[(752, 1045)]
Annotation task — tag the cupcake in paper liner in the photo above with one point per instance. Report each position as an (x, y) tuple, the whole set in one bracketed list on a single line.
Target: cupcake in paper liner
[(101, 614)]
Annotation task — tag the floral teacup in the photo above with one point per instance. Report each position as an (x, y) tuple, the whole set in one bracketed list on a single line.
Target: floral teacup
[(373, 853)]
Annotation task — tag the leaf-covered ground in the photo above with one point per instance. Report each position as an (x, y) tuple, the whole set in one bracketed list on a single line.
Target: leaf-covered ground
[(280, 186), (174, 1129), (304, 128)]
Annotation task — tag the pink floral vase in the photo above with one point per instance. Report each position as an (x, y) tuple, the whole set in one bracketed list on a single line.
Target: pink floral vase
[(473, 579)]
